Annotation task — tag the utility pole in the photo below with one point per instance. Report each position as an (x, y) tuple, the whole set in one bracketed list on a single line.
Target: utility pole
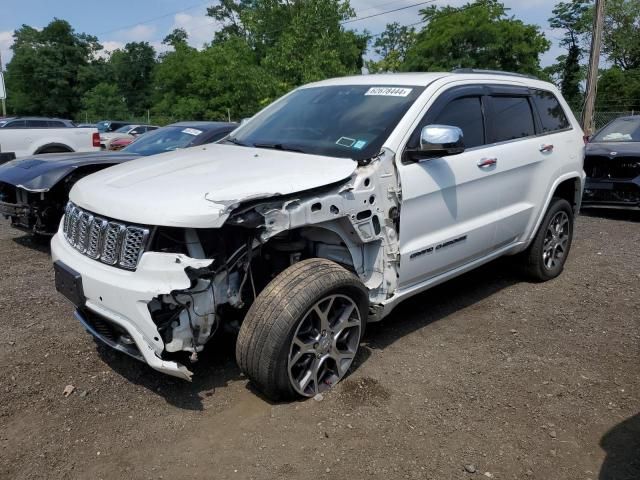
[(592, 75), (4, 105)]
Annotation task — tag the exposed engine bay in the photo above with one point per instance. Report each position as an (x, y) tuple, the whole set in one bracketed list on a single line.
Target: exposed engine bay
[(353, 223)]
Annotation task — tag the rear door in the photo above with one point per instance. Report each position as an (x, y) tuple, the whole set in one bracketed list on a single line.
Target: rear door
[(512, 130)]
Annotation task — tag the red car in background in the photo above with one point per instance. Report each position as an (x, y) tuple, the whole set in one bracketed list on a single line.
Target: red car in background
[(120, 143)]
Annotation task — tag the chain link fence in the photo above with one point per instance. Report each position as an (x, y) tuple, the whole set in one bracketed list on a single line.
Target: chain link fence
[(600, 119)]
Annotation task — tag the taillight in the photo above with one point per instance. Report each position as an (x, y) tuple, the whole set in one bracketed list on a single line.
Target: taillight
[(96, 139)]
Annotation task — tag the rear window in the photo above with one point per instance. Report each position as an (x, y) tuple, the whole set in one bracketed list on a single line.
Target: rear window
[(551, 113), (510, 118), (620, 130)]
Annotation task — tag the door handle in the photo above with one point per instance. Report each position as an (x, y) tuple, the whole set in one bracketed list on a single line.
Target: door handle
[(546, 148), (487, 162)]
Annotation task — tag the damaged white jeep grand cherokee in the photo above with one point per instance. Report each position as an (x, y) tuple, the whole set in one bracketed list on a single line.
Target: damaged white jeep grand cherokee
[(320, 214)]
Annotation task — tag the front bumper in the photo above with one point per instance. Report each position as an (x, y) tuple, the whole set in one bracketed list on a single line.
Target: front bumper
[(612, 193), (121, 298), (22, 216)]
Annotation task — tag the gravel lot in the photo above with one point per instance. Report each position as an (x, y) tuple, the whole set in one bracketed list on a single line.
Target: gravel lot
[(484, 377)]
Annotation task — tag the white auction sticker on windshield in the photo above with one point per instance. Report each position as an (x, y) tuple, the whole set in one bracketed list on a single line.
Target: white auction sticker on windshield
[(192, 131), (389, 91)]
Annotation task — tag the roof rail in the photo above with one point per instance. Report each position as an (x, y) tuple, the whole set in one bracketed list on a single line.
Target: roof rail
[(494, 72)]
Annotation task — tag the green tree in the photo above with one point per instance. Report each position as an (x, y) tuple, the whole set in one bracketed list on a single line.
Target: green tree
[(177, 37), (132, 69), (50, 70), (391, 47), (104, 101), (570, 17), (621, 33), (220, 81), (296, 41), (477, 35)]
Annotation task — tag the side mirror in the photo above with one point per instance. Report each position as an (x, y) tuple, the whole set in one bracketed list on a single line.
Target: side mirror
[(439, 140)]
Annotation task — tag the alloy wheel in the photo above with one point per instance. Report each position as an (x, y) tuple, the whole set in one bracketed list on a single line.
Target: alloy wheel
[(324, 344)]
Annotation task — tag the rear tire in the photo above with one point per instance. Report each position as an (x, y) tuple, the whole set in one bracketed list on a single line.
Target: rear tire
[(302, 333), (548, 252)]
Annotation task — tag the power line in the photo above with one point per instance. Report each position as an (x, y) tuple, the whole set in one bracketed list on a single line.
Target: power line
[(154, 19), (357, 19)]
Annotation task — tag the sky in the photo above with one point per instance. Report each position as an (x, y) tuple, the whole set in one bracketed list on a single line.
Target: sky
[(117, 22)]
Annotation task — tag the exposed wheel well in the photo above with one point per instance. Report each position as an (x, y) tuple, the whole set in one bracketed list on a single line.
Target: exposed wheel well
[(570, 191), (53, 148)]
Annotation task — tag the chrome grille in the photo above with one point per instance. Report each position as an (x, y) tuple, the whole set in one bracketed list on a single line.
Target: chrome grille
[(110, 242)]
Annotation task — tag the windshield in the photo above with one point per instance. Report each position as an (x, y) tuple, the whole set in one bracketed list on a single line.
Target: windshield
[(124, 129), (350, 121), (103, 126), (163, 139), (620, 130)]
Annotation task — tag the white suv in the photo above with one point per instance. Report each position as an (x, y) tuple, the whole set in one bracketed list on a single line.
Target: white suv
[(318, 215)]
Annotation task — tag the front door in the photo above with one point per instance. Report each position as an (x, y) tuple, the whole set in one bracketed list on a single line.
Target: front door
[(448, 214)]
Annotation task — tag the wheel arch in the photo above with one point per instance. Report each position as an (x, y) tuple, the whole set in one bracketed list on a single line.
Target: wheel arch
[(569, 184), (53, 147)]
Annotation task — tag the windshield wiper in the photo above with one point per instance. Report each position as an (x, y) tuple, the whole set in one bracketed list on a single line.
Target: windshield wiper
[(279, 146), (235, 141)]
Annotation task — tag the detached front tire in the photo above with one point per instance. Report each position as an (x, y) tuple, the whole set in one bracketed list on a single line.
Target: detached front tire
[(548, 252), (302, 333)]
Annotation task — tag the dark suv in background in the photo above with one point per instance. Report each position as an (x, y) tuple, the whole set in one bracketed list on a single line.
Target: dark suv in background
[(35, 122)]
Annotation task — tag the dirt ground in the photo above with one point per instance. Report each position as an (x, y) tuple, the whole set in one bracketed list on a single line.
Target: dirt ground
[(485, 377)]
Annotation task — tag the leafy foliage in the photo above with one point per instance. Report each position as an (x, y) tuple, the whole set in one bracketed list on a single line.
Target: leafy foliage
[(391, 46), (48, 72), (621, 33), (476, 35), (132, 69), (573, 19), (104, 101)]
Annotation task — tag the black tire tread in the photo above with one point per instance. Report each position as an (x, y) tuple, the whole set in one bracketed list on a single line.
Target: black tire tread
[(268, 324), (532, 264)]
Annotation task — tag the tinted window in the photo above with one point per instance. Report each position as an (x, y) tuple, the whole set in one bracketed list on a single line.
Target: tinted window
[(56, 124), (465, 113), (348, 121), (37, 124), (15, 124), (511, 118), (551, 113)]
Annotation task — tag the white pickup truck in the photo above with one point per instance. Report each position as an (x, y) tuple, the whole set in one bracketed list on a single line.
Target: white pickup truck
[(30, 141)]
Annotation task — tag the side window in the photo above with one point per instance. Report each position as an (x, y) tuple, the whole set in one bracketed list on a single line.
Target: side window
[(37, 124), (552, 115), (137, 131), (466, 114), (510, 118), (15, 124), (55, 124)]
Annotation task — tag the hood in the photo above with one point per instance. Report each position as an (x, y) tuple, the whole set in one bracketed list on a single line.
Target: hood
[(199, 186), (607, 149), (40, 173)]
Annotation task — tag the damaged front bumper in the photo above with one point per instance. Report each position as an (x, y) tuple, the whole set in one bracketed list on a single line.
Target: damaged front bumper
[(116, 301)]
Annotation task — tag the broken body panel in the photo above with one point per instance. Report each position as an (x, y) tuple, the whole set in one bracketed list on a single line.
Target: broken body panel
[(172, 299)]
